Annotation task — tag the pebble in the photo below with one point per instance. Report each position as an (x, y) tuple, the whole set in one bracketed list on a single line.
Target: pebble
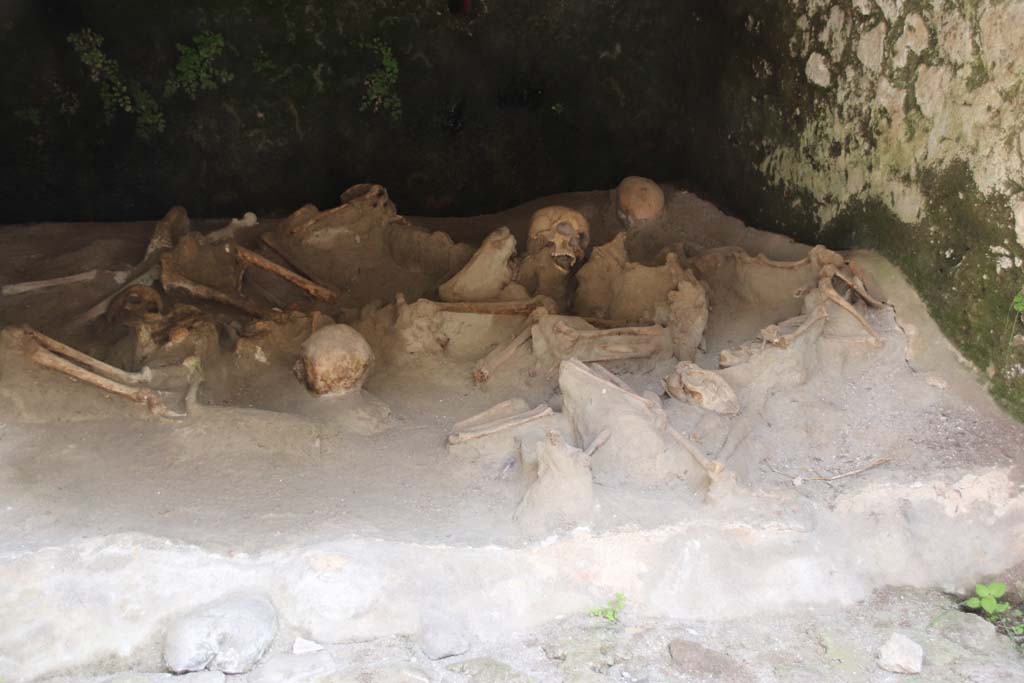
[(901, 655)]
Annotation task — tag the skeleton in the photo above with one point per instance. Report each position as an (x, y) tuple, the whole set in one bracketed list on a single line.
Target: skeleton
[(488, 274), (558, 240), (641, 448), (562, 493), (363, 246), (613, 288)]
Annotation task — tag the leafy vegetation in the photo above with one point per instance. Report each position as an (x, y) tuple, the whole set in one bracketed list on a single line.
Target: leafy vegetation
[(196, 70), (612, 611), (381, 84), (987, 601), (116, 94)]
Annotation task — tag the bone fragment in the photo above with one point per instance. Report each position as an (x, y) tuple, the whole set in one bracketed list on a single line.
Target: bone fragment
[(513, 406), (313, 289), (500, 355), (500, 425), (87, 276), (524, 307)]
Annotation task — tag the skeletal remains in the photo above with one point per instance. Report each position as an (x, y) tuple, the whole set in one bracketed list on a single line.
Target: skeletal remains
[(572, 310)]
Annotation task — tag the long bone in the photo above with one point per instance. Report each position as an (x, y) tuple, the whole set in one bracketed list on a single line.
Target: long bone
[(94, 364), (46, 358), (500, 355), (524, 307)]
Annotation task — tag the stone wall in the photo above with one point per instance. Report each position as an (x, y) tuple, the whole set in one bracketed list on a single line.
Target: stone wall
[(906, 134)]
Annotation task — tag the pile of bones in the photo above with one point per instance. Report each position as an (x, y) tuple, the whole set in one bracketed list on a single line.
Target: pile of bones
[(583, 314)]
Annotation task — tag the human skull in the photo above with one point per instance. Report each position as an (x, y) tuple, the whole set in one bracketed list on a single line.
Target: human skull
[(335, 360), (562, 232), (637, 200)]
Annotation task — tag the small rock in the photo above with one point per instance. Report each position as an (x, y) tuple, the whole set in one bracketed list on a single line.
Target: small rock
[(441, 640), (817, 70), (313, 667), (301, 646), (230, 635), (901, 655), (701, 662)]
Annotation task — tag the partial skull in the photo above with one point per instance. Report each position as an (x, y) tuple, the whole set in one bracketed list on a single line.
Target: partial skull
[(562, 232), (637, 200), (335, 360)]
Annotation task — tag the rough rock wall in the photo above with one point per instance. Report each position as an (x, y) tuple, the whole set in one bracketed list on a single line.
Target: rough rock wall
[(897, 124)]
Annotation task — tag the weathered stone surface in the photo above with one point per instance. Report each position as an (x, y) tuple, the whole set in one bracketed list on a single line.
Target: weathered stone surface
[(439, 639), (901, 655), (313, 667), (230, 635), (488, 670), (913, 39), (703, 663)]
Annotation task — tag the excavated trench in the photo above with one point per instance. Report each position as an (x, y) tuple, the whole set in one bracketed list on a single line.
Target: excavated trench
[(345, 443), (819, 441)]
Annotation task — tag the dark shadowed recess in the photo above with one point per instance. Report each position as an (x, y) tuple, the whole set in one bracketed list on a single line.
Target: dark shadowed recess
[(457, 106)]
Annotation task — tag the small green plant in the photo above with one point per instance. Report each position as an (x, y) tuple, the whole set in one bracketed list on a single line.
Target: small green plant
[(195, 70), (612, 611), (987, 600), (1018, 302), (381, 85)]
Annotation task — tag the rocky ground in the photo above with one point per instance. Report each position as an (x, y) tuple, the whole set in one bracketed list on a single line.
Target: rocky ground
[(814, 645)]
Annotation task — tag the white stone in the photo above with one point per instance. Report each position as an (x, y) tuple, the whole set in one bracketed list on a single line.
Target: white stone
[(954, 36), (1017, 206), (863, 6), (313, 667), (890, 8), (871, 47), (932, 87), (834, 33), (913, 39), (230, 635), (817, 70), (901, 655), (1002, 34), (892, 99), (301, 646), (439, 639)]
